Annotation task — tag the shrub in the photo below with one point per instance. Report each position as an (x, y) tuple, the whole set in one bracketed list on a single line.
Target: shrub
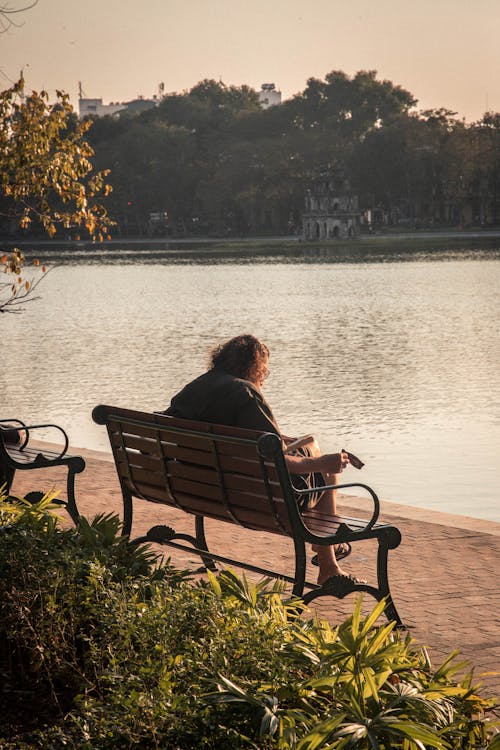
[(117, 650)]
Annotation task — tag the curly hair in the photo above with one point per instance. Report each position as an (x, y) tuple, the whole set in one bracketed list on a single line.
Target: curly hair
[(238, 356)]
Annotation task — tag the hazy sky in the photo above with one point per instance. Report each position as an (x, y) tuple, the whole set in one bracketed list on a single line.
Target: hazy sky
[(445, 52)]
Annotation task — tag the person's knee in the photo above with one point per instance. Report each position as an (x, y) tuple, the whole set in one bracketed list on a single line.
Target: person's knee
[(331, 478), (314, 448)]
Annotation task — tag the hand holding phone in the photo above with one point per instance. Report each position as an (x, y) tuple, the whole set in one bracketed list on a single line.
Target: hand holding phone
[(354, 460)]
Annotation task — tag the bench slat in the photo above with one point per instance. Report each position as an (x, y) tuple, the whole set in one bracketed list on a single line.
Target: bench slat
[(153, 462), (248, 517), (204, 475), (150, 435), (140, 419), (201, 454), (324, 525), (249, 507), (29, 455), (235, 480)]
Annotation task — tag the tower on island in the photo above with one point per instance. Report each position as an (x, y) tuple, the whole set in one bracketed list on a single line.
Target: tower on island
[(331, 209)]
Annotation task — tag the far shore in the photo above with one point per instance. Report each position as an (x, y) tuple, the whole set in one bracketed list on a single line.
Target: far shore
[(420, 240)]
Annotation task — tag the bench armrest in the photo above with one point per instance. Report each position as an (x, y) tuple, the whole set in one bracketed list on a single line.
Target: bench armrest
[(13, 426), (27, 430), (376, 502)]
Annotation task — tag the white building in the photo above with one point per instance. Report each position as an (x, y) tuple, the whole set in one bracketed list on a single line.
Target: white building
[(97, 108), (269, 96)]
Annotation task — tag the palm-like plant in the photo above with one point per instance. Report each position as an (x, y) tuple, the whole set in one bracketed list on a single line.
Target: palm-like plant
[(372, 688)]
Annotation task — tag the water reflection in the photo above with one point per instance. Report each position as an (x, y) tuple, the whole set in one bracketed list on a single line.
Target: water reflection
[(177, 252), (397, 362)]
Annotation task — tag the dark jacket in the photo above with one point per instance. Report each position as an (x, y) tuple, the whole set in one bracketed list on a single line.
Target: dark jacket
[(220, 398)]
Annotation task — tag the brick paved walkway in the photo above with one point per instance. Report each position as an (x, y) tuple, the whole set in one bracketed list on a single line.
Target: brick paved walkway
[(444, 577)]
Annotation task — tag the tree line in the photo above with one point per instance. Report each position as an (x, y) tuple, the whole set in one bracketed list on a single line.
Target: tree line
[(212, 161)]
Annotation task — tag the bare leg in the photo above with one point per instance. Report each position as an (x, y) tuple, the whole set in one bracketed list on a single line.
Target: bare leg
[(328, 565), (327, 561)]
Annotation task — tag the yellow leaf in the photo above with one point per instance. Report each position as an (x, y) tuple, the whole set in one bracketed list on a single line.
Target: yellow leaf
[(26, 285), (36, 262)]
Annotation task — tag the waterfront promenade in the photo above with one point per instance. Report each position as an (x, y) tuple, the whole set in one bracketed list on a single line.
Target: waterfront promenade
[(444, 576), (466, 234), (55, 250)]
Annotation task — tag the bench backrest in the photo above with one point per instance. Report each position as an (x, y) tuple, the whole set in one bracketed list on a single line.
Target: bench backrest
[(226, 473)]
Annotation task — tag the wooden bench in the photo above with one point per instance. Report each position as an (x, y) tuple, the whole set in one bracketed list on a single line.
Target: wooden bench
[(240, 477), (16, 454)]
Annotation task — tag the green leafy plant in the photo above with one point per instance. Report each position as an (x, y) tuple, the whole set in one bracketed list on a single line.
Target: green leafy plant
[(372, 689), (119, 650)]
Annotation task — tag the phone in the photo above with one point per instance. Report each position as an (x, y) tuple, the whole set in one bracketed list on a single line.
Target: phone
[(354, 460)]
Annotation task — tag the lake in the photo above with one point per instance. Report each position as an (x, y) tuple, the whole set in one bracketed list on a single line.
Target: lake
[(393, 357)]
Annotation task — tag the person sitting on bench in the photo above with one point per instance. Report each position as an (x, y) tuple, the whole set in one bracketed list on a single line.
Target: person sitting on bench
[(230, 393)]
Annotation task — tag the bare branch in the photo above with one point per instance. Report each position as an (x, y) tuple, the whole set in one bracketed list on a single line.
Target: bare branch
[(21, 295), (6, 10), (6, 13)]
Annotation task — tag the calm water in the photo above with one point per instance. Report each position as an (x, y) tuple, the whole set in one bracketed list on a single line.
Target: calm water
[(396, 360)]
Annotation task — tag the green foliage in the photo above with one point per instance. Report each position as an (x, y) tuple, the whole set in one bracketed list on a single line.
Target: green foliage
[(216, 163), (46, 172), (370, 689), (230, 165), (116, 650), (353, 105), (46, 176)]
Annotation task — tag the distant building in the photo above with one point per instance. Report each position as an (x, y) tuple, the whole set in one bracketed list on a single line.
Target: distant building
[(96, 108), (136, 106), (331, 210), (269, 96)]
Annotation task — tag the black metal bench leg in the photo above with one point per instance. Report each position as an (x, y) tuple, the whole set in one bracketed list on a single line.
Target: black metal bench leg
[(127, 512), (201, 543), (6, 478), (383, 583), (300, 567), (71, 506)]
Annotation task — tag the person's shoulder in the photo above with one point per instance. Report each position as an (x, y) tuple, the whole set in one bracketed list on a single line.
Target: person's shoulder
[(234, 384), (250, 391), (224, 378)]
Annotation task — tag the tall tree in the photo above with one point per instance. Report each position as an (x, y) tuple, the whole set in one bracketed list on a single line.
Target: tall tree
[(46, 176), (353, 105)]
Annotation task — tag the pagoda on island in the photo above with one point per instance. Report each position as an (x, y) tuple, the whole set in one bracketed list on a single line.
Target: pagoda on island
[(331, 210)]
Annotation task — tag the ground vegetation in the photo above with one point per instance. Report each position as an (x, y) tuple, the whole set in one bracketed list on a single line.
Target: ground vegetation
[(102, 646)]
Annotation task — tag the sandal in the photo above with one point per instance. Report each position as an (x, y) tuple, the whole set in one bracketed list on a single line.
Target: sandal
[(344, 581), (340, 554)]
